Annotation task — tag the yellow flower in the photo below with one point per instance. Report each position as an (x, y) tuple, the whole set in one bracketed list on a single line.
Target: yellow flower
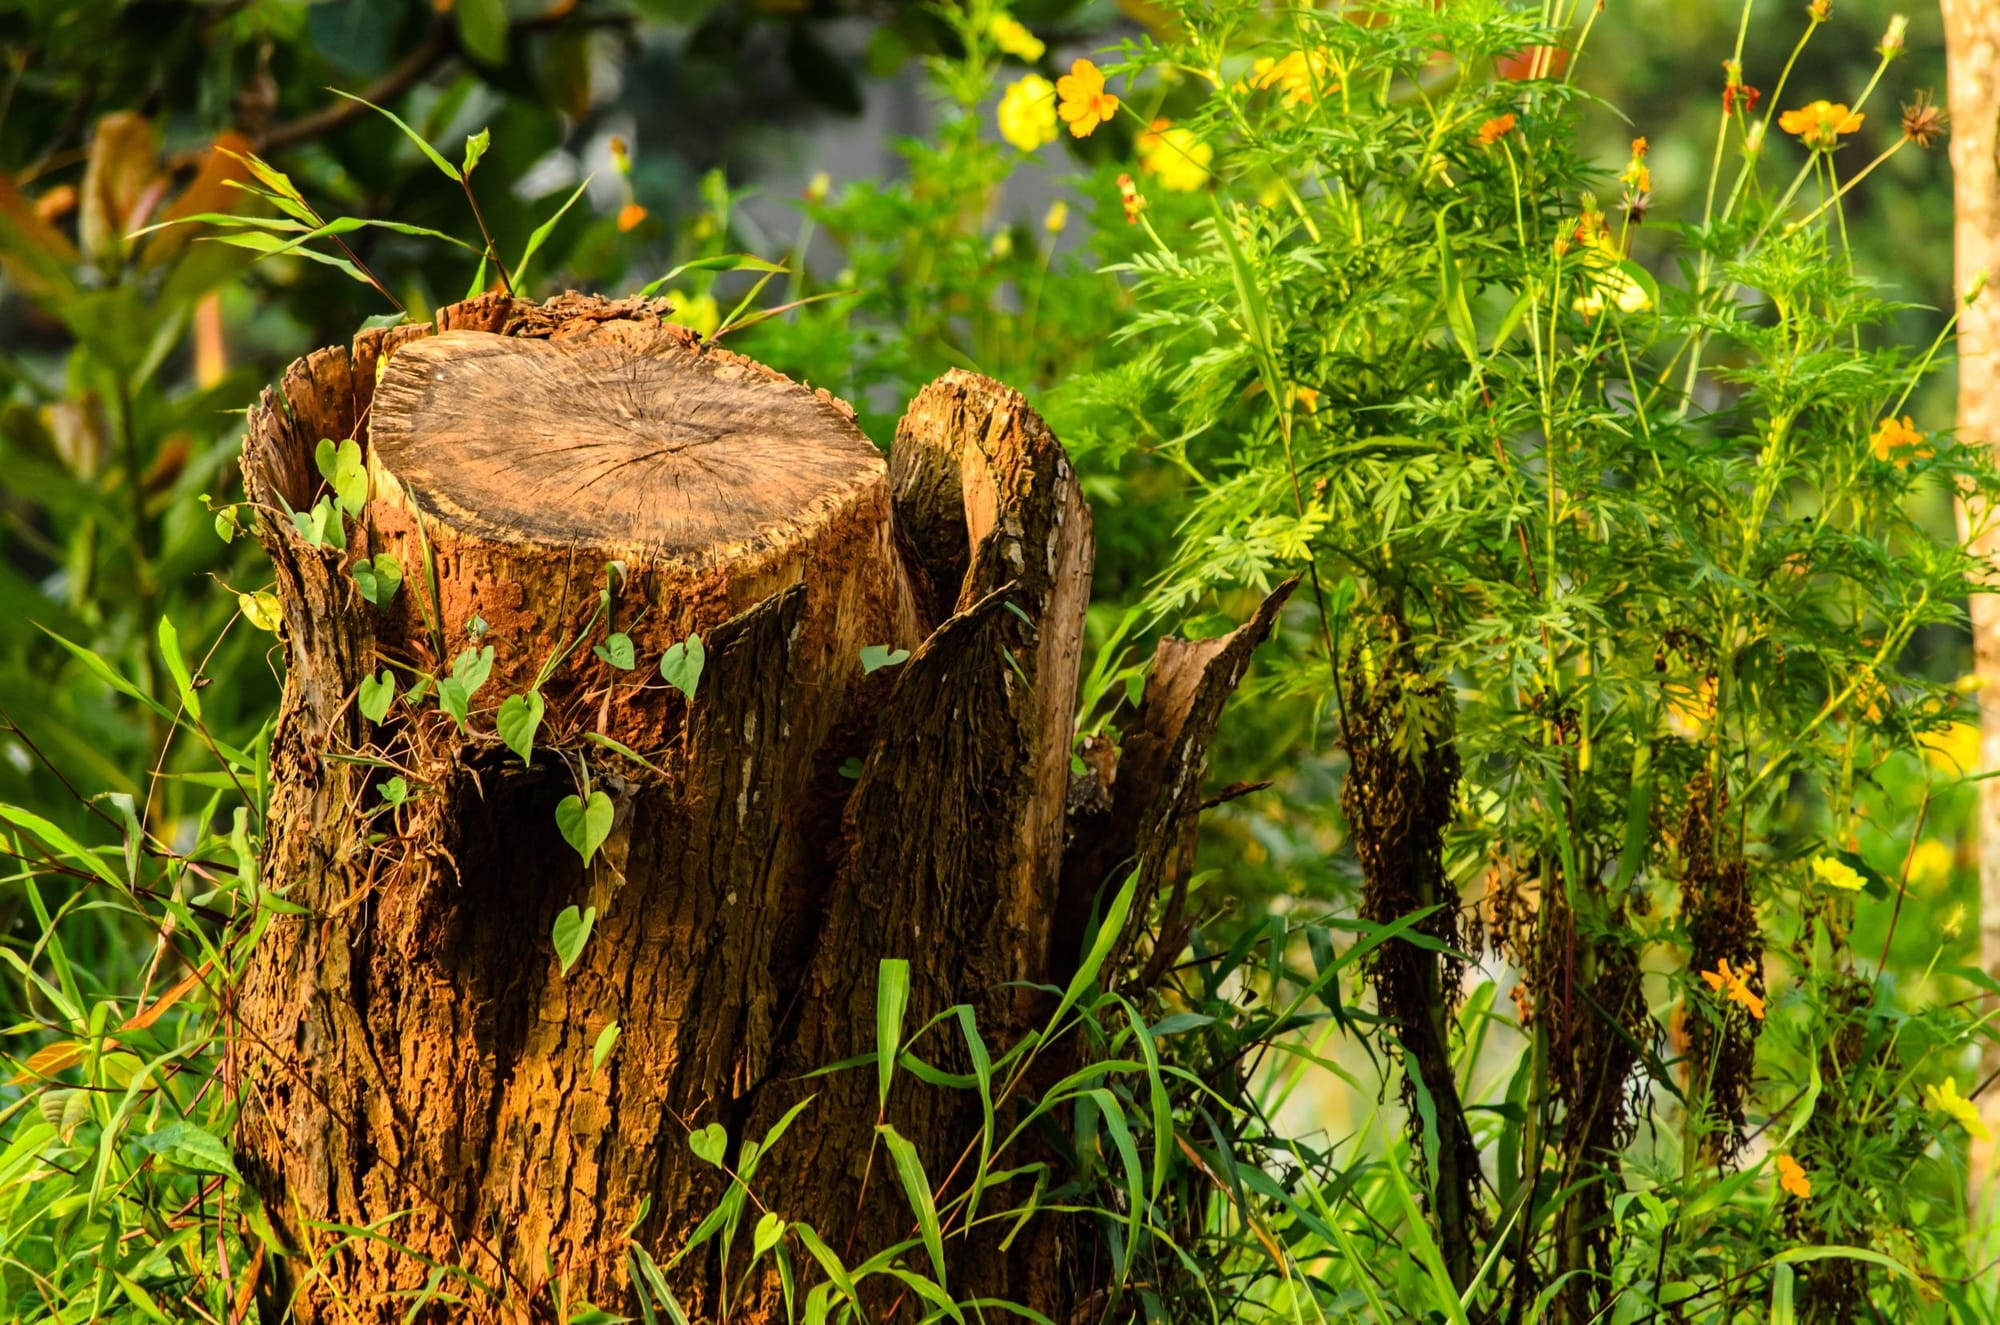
[(1947, 1101), (1735, 987), (1836, 873), (1955, 749), (1012, 37), (1607, 283), (1820, 125), (1303, 76), (1028, 113), (1496, 128), (818, 187), (697, 313), (1057, 218), (1792, 1177), (1085, 103), (1931, 863), (1176, 156), (1893, 437)]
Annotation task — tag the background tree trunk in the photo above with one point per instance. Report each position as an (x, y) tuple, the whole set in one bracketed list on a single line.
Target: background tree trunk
[(1972, 42), (417, 1060)]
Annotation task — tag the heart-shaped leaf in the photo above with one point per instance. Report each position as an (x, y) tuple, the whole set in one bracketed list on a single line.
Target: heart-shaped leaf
[(583, 826), (323, 528), (572, 931), (617, 650), (708, 1143), (682, 665), (395, 791), (769, 1229), (600, 1051), (520, 718), (379, 579), (340, 465), (471, 668), (261, 610), (877, 656), (377, 693), (453, 699)]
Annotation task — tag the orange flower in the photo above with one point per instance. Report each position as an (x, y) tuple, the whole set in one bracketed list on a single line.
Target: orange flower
[(1893, 436), (1792, 1177), (1496, 128), (1734, 986), (1532, 62), (630, 215), (1085, 103), (1128, 194), (1820, 125)]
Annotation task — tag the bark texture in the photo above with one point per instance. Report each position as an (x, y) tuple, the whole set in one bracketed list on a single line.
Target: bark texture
[(1972, 40), (417, 1060)]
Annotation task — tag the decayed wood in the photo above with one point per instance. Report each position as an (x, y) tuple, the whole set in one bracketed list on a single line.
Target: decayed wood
[(414, 1052)]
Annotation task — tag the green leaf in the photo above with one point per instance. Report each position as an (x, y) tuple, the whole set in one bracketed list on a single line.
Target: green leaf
[(473, 667), (377, 693), (1451, 285), (520, 718), (1877, 887), (617, 650), (475, 147), (606, 1039), (340, 465), (542, 232), (270, 245), (682, 665), (1107, 935), (572, 931), (482, 30), (719, 263), (917, 1187), (321, 526), (453, 699), (877, 656), (708, 1143), (415, 137), (769, 1229), (395, 791), (189, 1147), (892, 999), (379, 579), (583, 826), (170, 649), (261, 609)]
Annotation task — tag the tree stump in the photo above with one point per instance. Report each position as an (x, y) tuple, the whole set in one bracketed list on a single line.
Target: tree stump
[(552, 480)]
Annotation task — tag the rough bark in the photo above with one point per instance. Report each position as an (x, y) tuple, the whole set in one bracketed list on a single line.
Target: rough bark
[(1972, 40), (417, 1060)]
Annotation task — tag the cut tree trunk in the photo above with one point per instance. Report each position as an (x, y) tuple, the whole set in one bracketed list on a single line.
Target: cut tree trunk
[(1972, 48), (417, 1059)]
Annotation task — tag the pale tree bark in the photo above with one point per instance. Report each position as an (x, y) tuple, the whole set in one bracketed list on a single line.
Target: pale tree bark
[(1972, 37)]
